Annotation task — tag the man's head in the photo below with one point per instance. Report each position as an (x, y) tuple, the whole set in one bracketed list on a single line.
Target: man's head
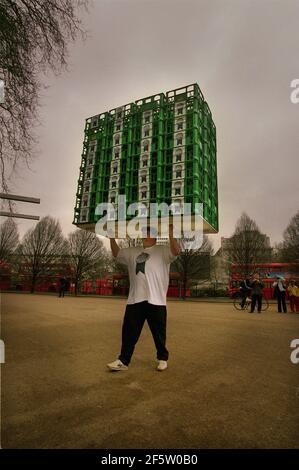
[(292, 282), (149, 236), (256, 276)]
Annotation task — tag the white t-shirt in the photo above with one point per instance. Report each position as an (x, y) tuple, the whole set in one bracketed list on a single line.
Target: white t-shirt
[(148, 272)]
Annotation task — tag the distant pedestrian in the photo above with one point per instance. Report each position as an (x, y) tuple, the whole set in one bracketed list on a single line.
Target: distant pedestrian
[(62, 286), (293, 295), (280, 294), (256, 293)]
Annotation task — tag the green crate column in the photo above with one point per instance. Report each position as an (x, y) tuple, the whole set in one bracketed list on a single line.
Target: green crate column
[(145, 156), (178, 160), (88, 164), (116, 134), (132, 154)]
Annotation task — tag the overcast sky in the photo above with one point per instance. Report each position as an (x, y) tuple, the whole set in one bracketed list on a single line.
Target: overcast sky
[(243, 54)]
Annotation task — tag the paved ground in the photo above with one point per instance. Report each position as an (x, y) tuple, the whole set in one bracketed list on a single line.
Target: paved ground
[(230, 382)]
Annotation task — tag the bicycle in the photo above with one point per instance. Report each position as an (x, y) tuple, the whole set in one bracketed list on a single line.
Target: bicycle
[(247, 304)]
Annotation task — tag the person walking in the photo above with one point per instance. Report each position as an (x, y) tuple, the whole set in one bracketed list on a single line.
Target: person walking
[(62, 286), (148, 268), (256, 293), (292, 291), (280, 294)]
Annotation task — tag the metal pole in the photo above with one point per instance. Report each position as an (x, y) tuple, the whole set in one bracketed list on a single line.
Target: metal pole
[(19, 216), (15, 197)]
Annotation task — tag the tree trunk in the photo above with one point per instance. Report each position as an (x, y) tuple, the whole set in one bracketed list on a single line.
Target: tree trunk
[(33, 283)]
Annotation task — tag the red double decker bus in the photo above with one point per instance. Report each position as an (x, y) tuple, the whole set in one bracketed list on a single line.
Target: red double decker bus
[(267, 271), (118, 284)]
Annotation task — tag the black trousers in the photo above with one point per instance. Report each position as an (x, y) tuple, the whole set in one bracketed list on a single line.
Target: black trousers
[(256, 298), (135, 316), (281, 301), (244, 295), (61, 292)]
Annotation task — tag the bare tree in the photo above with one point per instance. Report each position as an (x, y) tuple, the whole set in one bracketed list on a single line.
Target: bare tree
[(277, 253), (289, 249), (102, 266), (9, 239), (247, 245), (194, 265), (34, 37), (40, 249), (86, 252)]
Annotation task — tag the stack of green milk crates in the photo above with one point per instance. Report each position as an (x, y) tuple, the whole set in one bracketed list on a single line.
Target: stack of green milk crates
[(104, 162), (145, 145), (158, 149), (190, 153)]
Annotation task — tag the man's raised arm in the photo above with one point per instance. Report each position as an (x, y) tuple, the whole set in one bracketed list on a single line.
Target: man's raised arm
[(174, 246)]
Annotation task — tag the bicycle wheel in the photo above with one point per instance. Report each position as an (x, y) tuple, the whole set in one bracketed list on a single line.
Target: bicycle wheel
[(265, 305), (237, 303)]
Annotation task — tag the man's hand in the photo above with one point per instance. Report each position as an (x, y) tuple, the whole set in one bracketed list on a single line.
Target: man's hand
[(114, 247), (174, 246)]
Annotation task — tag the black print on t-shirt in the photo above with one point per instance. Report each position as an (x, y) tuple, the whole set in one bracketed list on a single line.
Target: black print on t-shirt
[(140, 262)]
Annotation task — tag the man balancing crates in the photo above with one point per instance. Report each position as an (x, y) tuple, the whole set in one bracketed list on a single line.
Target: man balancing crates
[(148, 268)]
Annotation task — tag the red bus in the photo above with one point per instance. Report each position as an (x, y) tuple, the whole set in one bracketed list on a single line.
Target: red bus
[(113, 284), (12, 279), (118, 284), (267, 271)]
